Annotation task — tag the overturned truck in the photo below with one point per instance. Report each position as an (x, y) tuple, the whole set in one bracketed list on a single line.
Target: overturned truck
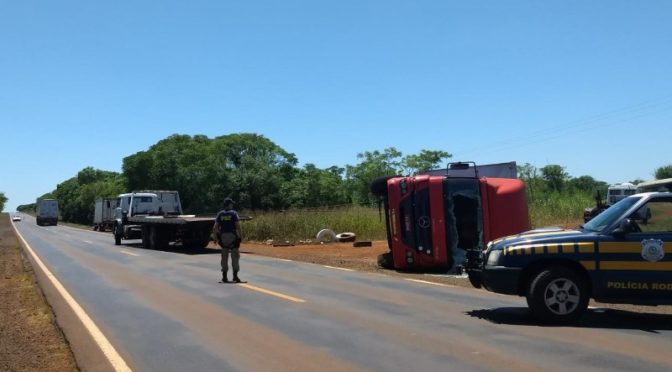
[(437, 221)]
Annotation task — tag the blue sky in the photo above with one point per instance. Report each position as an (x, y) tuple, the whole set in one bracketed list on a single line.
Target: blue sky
[(587, 85)]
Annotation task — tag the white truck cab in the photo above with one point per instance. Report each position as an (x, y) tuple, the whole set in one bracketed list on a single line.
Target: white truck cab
[(132, 204), (620, 191), (148, 203)]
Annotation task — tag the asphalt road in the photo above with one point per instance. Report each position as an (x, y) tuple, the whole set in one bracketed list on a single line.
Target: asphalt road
[(166, 311)]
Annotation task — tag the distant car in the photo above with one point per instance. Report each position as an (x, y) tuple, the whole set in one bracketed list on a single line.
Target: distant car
[(16, 218)]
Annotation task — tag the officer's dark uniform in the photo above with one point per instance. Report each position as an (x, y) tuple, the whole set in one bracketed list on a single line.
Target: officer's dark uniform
[(229, 239)]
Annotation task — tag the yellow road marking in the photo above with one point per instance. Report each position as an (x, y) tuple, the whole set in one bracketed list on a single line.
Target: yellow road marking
[(338, 268), (428, 282), (99, 338), (276, 294), (130, 253)]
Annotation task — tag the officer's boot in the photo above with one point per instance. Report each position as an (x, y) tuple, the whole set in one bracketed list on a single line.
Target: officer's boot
[(224, 278), (235, 277)]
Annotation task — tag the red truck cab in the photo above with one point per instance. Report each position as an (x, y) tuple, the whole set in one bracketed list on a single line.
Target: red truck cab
[(434, 222)]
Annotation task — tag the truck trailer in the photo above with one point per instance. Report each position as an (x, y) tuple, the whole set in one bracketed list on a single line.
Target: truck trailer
[(438, 222), (156, 217), (46, 212), (103, 214)]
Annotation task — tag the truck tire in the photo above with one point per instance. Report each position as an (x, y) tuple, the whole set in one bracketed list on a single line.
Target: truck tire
[(325, 235), (157, 238), (117, 235), (558, 294), (378, 187), (145, 237), (385, 261), (346, 237)]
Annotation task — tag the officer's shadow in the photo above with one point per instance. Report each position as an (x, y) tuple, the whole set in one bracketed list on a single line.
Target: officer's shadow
[(593, 318)]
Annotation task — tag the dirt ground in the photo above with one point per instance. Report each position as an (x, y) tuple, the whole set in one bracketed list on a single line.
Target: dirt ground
[(30, 340), (342, 255)]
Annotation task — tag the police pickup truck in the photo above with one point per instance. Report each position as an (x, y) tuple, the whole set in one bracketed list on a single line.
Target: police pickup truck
[(617, 257)]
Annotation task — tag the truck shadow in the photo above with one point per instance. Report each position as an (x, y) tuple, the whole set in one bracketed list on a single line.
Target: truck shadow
[(177, 248), (593, 318)]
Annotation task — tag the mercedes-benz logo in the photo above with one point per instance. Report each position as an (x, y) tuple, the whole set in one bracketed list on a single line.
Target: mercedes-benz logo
[(424, 222)]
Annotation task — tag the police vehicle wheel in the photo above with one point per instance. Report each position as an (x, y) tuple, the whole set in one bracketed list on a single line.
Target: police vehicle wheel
[(557, 295)]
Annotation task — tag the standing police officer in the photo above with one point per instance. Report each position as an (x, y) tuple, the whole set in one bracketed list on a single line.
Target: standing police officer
[(227, 228)]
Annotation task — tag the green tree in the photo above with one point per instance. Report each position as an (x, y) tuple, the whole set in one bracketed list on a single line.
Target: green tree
[(373, 164), (555, 177), (313, 187), (247, 167), (3, 200), (28, 208), (664, 172), (529, 174), (252, 170), (76, 196), (424, 161)]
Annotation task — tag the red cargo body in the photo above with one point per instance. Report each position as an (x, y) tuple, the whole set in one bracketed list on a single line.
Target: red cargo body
[(432, 221)]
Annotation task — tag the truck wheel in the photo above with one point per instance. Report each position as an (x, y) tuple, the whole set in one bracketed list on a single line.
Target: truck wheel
[(117, 235), (385, 261), (378, 187), (145, 237), (157, 238), (558, 294)]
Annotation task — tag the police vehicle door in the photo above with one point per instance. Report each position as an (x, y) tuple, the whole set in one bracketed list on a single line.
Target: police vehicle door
[(639, 265)]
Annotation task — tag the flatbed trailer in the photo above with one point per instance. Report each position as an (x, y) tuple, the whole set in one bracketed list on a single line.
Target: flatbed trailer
[(157, 232)]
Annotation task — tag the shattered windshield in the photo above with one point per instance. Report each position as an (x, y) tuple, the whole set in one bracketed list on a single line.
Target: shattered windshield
[(609, 216)]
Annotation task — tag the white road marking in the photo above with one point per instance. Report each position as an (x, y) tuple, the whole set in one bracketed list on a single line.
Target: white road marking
[(338, 268), (276, 294), (88, 242), (103, 343), (284, 259), (130, 253), (428, 282)]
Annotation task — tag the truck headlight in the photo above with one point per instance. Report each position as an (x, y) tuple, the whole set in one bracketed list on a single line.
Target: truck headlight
[(493, 257)]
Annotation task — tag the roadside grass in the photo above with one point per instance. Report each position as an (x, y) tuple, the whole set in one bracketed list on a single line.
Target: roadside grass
[(555, 209), (304, 224)]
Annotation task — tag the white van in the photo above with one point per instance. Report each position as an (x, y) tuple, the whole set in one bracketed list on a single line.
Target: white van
[(47, 212), (620, 191)]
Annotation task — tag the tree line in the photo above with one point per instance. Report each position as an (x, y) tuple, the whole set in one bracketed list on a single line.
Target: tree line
[(247, 167), (260, 175)]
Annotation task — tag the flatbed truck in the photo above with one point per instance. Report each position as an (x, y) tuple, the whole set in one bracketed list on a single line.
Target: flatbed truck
[(156, 217)]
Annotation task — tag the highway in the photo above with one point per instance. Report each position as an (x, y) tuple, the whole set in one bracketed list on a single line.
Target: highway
[(166, 311)]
